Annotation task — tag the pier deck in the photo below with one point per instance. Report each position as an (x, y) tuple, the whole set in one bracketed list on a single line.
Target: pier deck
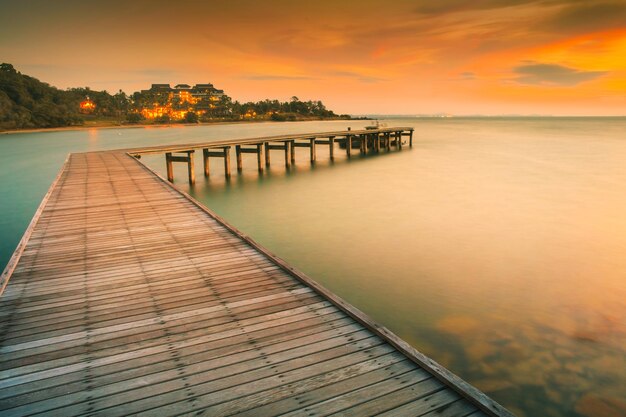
[(126, 296)]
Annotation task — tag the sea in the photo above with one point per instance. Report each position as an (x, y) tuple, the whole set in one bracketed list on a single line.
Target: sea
[(494, 245)]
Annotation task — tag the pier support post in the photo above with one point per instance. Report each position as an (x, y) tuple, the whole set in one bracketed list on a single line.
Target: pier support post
[(205, 159), (227, 161), (267, 154), (238, 155), (169, 159), (190, 168), (331, 147), (399, 136), (313, 155), (224, 152), (170, 167), (348, 145), (388, 141), (287, 156), (410, 139), (259, 156), (292, 148)]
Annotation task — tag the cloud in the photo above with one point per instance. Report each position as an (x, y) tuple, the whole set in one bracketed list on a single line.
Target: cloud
[(587, 16), (452, 6), (356, 76), (468, 75), (272, 77), (553, 74)]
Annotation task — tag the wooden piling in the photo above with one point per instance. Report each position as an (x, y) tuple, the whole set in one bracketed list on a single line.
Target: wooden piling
[(267, 154), (411, 139), (292, 148), (169, 159), (205, 160), (313, 155), (259, 156), (170, 167), (349, 145), (331, 147), (227, 161), (190, 168), (238, 155), (287, 156)]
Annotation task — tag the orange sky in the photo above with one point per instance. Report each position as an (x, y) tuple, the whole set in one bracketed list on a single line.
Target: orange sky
[(560, 57)]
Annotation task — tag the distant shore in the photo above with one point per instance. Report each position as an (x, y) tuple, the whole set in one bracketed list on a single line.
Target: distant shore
[(109, 125)]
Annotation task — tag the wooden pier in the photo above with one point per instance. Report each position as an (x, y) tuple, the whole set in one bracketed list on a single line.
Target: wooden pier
[(126, 296), (366, 140)]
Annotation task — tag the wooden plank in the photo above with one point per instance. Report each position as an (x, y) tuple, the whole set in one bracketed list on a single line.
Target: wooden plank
[(383, 374)]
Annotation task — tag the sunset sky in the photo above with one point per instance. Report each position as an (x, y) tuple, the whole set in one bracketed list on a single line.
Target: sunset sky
[(558, 57)]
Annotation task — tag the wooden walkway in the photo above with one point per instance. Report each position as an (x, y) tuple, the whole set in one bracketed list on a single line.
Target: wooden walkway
[(127, 297)]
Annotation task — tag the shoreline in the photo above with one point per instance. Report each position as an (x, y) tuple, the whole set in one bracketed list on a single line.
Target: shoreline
[(108, 126), (145, 126)]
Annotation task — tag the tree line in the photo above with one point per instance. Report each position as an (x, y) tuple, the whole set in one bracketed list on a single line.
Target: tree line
[(26, 102)]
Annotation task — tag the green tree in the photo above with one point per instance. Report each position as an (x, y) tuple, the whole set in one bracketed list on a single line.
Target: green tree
[(191, 117)]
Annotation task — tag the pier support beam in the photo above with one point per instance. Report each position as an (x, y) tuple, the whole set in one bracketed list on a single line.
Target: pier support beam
[(310, 143), (258, 150), (169, 159), (284, 146), (224, 153)]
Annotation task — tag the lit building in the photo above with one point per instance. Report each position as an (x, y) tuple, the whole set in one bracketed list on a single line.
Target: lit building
[(200, 98), (87, 106)]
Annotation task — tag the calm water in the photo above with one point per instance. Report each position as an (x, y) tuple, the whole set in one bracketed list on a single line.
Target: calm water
[(495, 246)]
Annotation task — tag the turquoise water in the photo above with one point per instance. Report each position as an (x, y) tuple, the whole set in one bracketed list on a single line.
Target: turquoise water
[(495, 246)]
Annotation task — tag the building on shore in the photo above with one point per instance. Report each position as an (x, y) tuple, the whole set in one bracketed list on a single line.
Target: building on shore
[(163, 100)]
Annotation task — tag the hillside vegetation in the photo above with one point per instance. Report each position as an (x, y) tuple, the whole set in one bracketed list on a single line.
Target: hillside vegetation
[(26, 103)]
